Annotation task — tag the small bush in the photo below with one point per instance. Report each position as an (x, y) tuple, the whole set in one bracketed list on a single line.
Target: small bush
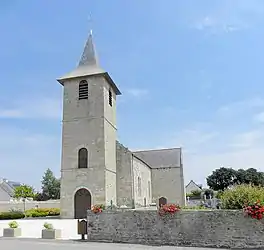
[(48, 226), (237, 197), (11, 215), (42, 212), (13, 224), (196, 193)]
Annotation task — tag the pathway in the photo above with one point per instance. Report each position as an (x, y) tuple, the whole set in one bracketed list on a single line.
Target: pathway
[(32, 228), (14, 244)]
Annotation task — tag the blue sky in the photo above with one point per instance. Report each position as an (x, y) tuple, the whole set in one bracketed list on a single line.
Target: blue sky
[(191, 74)]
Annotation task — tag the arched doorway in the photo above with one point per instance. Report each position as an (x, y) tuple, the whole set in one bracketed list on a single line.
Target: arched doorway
[(82, 203), (162, 201)]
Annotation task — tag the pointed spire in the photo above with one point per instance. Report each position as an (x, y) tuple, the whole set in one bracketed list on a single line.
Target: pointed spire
[(89, 65), (89, 56)]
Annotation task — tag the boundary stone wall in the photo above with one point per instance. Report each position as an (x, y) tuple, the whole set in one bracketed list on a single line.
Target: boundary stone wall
[(6, 206), (217, 228)]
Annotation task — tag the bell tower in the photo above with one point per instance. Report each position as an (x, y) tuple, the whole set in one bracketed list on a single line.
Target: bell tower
[(88, 162)]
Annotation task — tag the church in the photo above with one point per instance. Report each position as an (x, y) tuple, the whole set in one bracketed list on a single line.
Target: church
[(95, 167)]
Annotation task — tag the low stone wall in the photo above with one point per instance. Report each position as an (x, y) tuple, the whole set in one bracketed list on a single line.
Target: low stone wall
[(220, 228), (6, 206)]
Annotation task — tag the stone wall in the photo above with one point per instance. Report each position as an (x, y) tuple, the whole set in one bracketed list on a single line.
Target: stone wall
[(167, 182), (6, 206), (142, 183), (124, 178), (220, 228)]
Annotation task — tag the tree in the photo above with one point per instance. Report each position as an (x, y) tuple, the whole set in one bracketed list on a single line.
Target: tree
[(40, 197), (24, 191), (50, 186), (250, 176), (221, 178)]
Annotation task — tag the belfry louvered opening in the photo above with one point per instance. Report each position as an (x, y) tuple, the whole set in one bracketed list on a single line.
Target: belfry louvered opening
[(110, 98), (83, 90)]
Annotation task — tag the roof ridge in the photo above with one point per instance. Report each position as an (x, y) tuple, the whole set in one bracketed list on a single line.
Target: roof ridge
[(161, 149)]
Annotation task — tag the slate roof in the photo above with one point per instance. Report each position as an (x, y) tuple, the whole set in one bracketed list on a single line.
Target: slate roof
[(89, 66), (198, 185), (161, 158), (9, 186)]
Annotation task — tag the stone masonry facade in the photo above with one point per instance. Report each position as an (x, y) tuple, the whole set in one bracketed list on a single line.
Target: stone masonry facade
[(111, 174), (219, 228)]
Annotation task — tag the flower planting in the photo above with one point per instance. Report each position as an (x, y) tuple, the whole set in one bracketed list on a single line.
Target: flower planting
[(169, 209), (98, 208), (255, 210)]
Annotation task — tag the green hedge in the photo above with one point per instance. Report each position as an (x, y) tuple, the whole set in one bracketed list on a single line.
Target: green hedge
[(238, 196), (39, 212), (11, 215), (42, 212)]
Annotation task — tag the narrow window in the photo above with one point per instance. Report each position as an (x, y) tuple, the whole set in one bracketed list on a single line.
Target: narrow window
[(83, 158), (110, 98), (139, 186), (83, 90)]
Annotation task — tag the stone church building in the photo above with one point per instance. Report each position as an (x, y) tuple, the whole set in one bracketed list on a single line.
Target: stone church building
[(95, 167)]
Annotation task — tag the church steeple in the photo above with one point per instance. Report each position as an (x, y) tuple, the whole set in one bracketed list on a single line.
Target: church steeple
[(89, 56), (89, 66)]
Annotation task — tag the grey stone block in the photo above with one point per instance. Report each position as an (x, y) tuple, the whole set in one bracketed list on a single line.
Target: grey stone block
[(51, 233), (12, 232)]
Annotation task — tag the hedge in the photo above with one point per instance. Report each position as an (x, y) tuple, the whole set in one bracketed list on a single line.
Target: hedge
[(12, 215), (39, 212), (42, 212), (240, 195)]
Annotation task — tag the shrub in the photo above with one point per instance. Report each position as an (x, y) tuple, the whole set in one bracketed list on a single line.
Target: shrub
[(239, 196), (48, 226), (13, 224), (42, 212), (11, 215), (196, 193), (219, 194)]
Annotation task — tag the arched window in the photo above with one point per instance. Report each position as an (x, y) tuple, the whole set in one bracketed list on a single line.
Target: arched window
[(139, 186), (83, 90), (83, 158), (110, 98)]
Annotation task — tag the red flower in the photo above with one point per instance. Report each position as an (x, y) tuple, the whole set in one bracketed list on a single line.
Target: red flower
[(168, 209), (256, 210)]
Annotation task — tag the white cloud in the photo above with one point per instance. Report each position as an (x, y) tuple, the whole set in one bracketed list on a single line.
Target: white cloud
[(246, 140), (199, 166), (42, 108), (217, 25), (239, 107), (138, 93), (230, 16), (242, 150)]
